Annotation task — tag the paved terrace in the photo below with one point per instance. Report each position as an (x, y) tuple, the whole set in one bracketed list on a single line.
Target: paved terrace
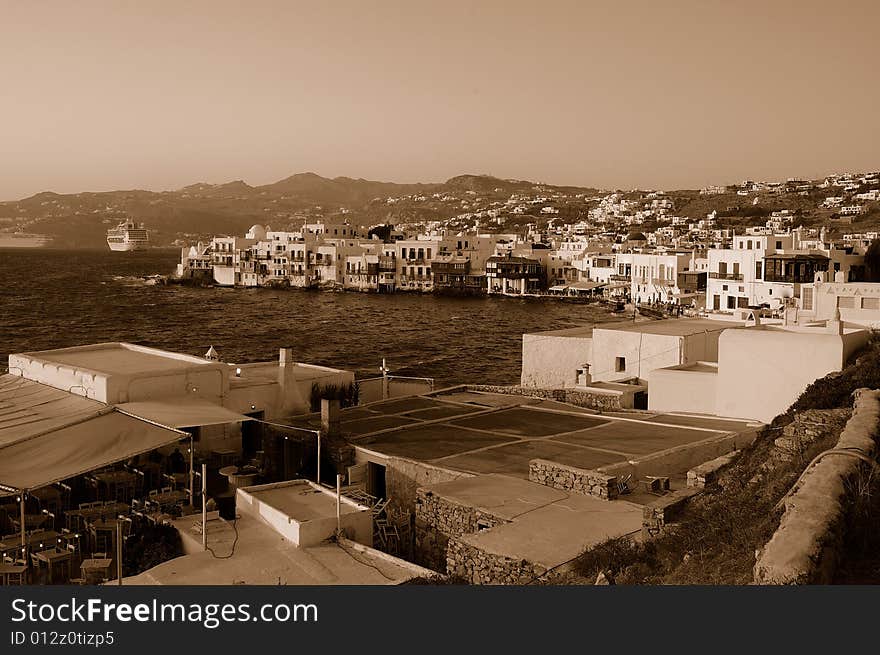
[(251, 552), (485, 433)]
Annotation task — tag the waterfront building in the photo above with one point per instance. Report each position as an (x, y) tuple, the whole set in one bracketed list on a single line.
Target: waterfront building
[(769, 270), (655, 276), (413, 258), (515, 275), (196, 262), (453, 273)]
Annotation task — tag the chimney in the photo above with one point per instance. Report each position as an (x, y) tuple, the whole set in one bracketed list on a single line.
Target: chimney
[(285, 356), (330, 420)]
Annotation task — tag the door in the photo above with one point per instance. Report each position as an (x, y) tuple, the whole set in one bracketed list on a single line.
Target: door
[(716, 302), (251, 436), (376, 480)]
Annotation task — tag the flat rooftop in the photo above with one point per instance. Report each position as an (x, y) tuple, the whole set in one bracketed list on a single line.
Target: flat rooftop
[(488, 433), (546, 526), (117, 358), (301, 502), (677, 327)]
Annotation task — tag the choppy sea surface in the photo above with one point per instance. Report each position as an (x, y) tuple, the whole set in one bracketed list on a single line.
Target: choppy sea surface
[(54, 299)]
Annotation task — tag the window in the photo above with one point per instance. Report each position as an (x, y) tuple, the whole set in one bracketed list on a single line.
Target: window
[(620, 364), (779, 245), (807, 298), (757, 270), (870, 303), (749, 244), (846, 302)]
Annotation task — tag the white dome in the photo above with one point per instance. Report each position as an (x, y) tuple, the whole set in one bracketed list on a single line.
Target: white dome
[(256, 232)]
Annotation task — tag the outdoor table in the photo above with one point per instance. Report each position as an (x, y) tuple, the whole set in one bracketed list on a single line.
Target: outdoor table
[(55, 557), (225, 456), (168, 498), (13, 542), (116, 480), (9, 572), (31, 521), (78, 518), (91, 568)]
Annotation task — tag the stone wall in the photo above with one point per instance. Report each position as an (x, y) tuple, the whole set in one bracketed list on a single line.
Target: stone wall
[(665, 510), (807, 427), (569, 478), (403, 477), (602, 402), (706, 474), (806, 546), (439, 519), (477, 566)]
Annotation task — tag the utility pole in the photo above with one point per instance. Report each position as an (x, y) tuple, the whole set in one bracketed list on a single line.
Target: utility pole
[(384, 370)]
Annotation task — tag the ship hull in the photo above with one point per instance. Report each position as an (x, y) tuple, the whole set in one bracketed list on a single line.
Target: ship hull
[(126, 247)]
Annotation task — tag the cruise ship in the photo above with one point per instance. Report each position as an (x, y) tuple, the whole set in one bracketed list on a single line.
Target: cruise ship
[(128, 235)]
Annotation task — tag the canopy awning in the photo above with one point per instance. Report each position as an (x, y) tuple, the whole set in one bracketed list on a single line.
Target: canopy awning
[(558, 287), (585, 285), (617, 285), (184, 413), (688, 294), (78, 448)]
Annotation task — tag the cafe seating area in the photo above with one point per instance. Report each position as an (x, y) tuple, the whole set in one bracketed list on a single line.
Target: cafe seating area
[(72, 530)]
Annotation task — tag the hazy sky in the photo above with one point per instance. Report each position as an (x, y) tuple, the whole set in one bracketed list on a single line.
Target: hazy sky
[(157, 95)]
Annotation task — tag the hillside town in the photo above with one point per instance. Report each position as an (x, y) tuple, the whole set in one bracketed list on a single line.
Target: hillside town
[(630, 247)]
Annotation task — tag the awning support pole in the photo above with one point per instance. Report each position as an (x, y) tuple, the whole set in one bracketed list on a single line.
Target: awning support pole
[(23, 527), (338, 504), (192, 454), (119, 551), (318, 476), (204, 507)]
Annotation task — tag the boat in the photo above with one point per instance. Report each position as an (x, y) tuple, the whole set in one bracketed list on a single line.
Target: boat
[(128, 236)]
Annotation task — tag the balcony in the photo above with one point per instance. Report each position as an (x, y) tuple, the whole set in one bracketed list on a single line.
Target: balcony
[(736, 277), (620, 278)]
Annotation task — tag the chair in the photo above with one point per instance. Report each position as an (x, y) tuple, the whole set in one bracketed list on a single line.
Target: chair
[(99, 555)]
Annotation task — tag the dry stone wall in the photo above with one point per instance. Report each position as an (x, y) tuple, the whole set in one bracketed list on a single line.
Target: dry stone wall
[(437, 520), (569, 478), (474, 565), (598, 401)]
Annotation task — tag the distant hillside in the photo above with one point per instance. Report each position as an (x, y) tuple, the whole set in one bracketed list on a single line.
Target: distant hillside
[(202, 210)]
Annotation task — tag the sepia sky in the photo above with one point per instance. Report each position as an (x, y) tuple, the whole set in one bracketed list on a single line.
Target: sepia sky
[(656, 94)]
